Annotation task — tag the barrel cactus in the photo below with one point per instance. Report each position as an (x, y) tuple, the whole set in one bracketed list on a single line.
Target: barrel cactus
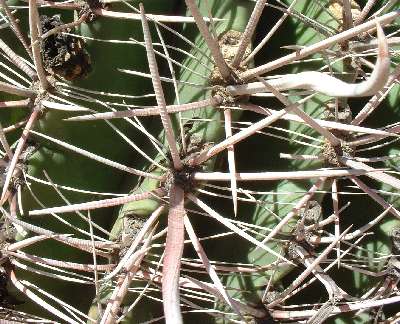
[(226, 161)]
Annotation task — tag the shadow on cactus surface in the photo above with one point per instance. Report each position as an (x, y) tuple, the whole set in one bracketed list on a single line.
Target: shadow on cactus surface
[(219, 161)]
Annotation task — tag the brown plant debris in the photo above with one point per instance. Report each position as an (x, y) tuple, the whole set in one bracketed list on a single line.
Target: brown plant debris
[(63, 55), (89, 7)]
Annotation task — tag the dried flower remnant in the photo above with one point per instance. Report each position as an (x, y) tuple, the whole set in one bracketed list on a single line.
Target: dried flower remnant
[(63, 55), (88, 9)]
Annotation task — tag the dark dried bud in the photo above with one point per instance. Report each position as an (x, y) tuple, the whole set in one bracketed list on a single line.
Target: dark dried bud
[(63, 55)]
